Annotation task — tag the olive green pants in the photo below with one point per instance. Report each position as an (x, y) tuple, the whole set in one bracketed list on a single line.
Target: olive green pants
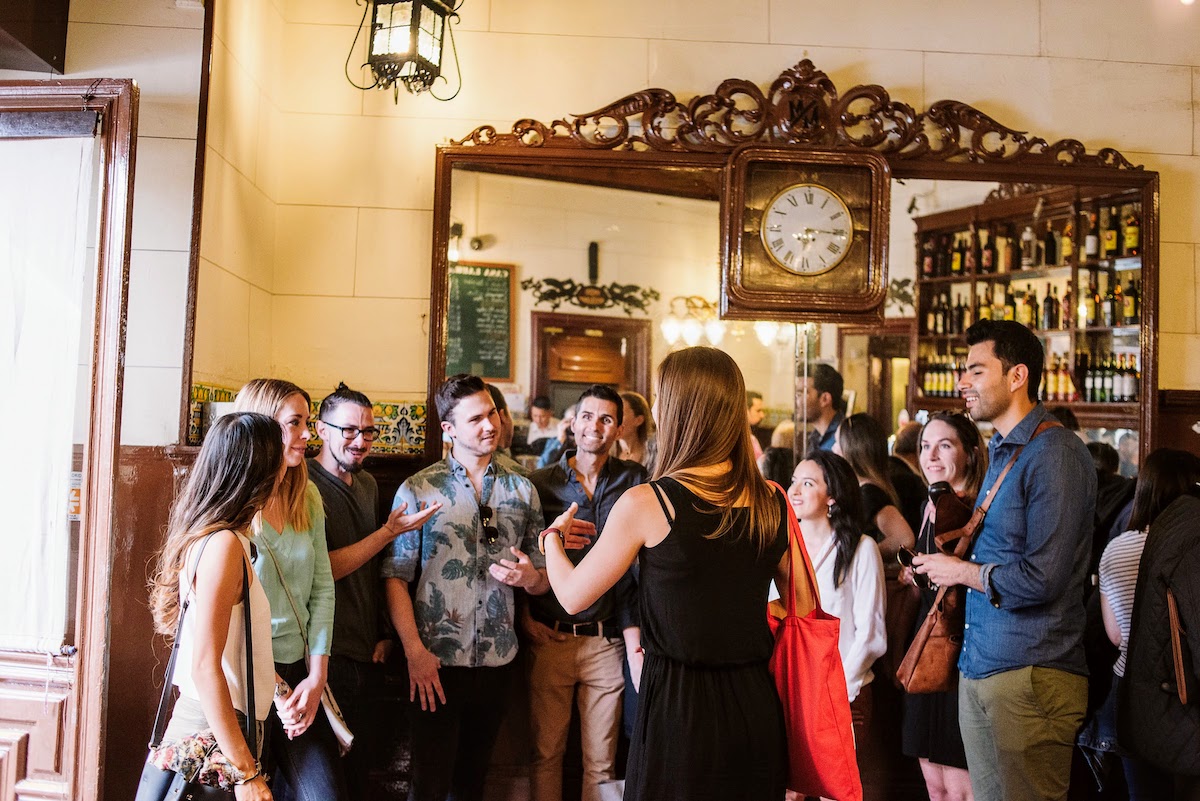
[(1018, 729)]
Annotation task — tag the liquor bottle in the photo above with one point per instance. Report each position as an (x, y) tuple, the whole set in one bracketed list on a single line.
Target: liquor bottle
[(1049, 247), (1091, 313), (1089, 379), (1028, 315), (1135, 376), (1028, 247), (1107, 377), (1050, 379), (1067, 249), (1131, 302), (1049, 311), (1133, 232), (983, 307), (1091, 240), (956, 258), (971, 258), (966, 317), (1112, 242), (1118, 301), (927, 253), (941, 260), (930, 316), (1066, 387), (1108, 307), (1009, 310), (1067, 314), (987, 258), (1012, 253), (1121, 381)]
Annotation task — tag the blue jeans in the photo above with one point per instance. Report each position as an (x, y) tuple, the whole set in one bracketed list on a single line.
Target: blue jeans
[(306, 768), (452, 746), (358, 688)]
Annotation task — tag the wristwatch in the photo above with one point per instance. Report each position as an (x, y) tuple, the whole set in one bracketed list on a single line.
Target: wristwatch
[(542, 538)]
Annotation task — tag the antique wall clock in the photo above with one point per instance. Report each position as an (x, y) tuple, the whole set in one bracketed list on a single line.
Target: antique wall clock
[(804, 235)]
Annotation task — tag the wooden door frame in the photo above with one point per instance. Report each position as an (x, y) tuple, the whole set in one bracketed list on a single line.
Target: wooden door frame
[(83, 672), (892, 327), (639, 333)]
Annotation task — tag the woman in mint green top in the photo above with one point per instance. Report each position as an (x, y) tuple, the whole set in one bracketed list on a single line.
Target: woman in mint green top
[(293, 566)]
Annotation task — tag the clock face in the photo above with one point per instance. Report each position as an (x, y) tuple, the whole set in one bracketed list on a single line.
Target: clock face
[(807, 229)]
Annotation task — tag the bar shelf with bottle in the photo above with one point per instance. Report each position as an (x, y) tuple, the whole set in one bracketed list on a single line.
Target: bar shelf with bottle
[(1067, 263)]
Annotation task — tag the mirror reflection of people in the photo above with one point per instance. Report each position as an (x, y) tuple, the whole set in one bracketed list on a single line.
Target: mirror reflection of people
[(709, 534), (542, 423), (860, 439), (1127, 449), (1023, 642), (355, 537), (824, 493), (637, 442), (778, 461), (202, 562), (507, 429), (754, 415), (824, 387), (457, 625), (951, 450), (577, 660), (293, 565)]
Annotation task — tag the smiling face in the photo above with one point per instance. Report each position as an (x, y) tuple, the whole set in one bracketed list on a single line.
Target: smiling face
[(595, 426), (474, 425), (809, 494), (293, 419), (985, 386), (349, 454), (942, 455)]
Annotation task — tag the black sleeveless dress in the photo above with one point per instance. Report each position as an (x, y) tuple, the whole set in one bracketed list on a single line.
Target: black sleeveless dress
[(710, 724)]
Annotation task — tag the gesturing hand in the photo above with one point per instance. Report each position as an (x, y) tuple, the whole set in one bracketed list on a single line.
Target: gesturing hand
[(520, 573), (398, 522), (579, 535)]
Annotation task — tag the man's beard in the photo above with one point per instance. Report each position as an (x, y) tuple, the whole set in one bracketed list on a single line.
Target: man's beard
[(352, 467)]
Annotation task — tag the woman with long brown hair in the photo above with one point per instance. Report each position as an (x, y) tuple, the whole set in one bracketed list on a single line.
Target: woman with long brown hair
[(709, 534), (293, 565), (861, 441), (200, 569)]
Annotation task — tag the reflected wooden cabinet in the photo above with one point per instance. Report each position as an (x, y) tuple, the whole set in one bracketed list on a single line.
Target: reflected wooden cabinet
[(1068, 262)]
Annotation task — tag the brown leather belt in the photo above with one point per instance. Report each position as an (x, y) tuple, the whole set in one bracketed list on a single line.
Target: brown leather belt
[(601, 628)]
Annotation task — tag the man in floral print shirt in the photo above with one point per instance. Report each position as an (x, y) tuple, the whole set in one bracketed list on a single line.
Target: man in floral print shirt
[(457, 627)]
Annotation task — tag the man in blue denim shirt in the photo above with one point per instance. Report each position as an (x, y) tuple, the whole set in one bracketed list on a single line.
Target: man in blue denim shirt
[(1023, 689)]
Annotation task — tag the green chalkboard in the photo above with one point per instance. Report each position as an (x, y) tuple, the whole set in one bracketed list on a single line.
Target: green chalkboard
[(479, 322)]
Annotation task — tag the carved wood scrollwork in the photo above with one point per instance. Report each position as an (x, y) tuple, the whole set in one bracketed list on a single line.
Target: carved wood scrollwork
[(802, 107)]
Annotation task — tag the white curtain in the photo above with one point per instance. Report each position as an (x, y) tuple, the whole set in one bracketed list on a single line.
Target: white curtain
[(45, 288)]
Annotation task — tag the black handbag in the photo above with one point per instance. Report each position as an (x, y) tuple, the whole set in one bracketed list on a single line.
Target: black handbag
[(157, 784)]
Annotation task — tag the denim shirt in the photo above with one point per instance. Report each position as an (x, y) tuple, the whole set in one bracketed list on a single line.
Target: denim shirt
[(464, 616), (558, 488), (1033, 549)]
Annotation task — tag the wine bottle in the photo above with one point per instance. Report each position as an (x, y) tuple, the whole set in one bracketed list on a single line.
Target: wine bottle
[(1049, 311), (1029, 308), (1068, 314), (1009, 311), (1028, 247), (1089, 379), (927, 253), (956, 258), (1133, 232), (1091, 241), (987, 259), (1067, 243), (1135, 376), (1108, 307), (1049, 247), (941, 261), (1091, 311), (971, 257), (1107, 391), (1012, 253), (983, 307), (1129, 311), (1066, 389), (1050, 379), (1112, 242)]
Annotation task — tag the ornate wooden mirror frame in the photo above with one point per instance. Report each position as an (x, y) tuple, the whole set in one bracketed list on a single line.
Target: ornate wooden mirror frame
[(650, 141)]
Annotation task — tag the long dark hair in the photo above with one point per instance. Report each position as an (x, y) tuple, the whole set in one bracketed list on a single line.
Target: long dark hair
[(702, 422), (864, 445), (846, 513), (232, 480), (1166, 474)]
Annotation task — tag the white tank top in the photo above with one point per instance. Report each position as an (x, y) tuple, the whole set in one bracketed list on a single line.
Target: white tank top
[(233, 658)]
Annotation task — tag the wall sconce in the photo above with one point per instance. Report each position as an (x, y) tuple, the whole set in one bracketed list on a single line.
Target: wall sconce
[(691, 319), (406, 44), (454, 247), (766, 331)]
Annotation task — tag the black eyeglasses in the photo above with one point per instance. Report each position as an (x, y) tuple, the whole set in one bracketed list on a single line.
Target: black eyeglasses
[(351, 433), (490, 532), (905, 557)]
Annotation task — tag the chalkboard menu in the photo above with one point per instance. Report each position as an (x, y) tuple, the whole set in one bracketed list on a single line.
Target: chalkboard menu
[(479, 322)]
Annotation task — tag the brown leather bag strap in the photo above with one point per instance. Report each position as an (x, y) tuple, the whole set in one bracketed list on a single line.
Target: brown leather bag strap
[(965, 534), (1177, 647)]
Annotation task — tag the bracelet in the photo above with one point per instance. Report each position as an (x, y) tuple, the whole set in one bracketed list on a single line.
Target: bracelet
[(282, 690), (247, 779), (542, 538)]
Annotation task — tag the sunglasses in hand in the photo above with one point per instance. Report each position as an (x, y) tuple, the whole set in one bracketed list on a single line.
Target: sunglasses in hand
[(905, 557)]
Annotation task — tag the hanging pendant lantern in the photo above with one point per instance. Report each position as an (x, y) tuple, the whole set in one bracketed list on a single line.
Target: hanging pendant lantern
[(407, 43)]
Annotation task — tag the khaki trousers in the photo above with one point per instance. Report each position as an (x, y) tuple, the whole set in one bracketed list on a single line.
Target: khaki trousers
[(586, 670), (1018, 729)]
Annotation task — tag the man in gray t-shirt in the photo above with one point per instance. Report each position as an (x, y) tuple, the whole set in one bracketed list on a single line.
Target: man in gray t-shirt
[(346, 425)]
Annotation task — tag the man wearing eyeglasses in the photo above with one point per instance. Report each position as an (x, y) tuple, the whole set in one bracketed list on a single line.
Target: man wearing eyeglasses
[(346, 426), (579, 658), (463, 564)]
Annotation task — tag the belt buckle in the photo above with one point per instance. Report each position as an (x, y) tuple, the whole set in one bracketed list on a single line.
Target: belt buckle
[(576, 626)]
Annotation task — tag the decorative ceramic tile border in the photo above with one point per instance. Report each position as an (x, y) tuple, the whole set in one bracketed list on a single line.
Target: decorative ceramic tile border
[(401, 424)]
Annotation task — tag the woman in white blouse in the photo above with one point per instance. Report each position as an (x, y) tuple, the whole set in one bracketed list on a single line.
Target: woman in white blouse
[(849, 569)]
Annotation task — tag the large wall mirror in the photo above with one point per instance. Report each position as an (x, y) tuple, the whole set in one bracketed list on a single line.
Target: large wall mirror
[(625, 203)]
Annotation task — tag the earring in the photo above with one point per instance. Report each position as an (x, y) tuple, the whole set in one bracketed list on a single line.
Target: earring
[(829, 510)]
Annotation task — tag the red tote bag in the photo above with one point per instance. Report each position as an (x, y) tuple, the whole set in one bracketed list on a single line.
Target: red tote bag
[(812, 687)]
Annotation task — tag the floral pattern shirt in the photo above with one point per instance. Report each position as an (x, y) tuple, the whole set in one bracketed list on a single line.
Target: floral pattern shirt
[(464, 616)]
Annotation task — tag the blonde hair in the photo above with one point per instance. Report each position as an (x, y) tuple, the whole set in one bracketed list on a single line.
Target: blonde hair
[(267, 396), (231, 480), (702, 422)]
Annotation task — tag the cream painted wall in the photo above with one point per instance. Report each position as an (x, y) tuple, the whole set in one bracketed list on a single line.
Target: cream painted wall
[(350, 173)]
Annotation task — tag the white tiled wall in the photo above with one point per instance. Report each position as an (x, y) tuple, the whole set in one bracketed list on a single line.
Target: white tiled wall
[(312, 173)]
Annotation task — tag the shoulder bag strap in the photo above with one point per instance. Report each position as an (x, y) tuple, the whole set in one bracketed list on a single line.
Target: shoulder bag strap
[(796, 544), (291, 600), (967, 532), (251, 710)]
